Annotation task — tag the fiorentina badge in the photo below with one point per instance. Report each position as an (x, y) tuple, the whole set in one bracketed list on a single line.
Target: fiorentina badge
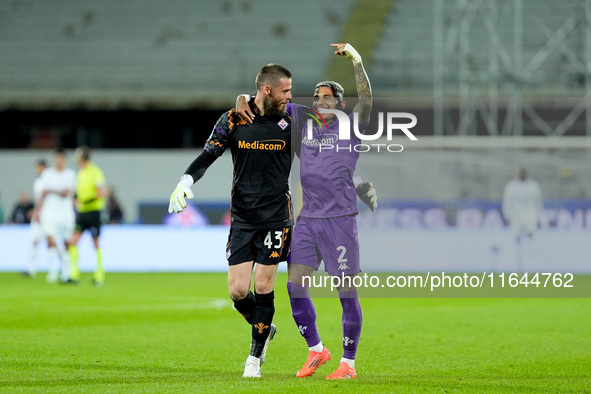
[(283, 124)]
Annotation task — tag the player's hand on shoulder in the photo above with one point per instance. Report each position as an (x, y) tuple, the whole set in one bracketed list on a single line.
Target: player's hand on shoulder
[(243, 109), (348, 51), (177, 198), (368, 194)]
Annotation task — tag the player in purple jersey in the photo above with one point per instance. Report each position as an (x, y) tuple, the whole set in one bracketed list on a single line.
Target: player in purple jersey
[(327, 227)]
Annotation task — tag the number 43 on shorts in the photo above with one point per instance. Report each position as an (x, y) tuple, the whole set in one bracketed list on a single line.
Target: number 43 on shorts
[(269, 240)]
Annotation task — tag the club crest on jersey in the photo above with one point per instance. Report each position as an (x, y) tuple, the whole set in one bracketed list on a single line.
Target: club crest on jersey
[(283, 124)]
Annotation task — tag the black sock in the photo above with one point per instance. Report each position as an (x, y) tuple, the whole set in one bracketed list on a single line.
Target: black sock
[(246, 306), (262, 318)]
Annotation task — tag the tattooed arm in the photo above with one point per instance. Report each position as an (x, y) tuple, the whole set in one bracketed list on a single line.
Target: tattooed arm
[(361, 80)]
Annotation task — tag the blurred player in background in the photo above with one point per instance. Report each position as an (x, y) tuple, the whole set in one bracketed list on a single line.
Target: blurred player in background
[(55, 212), (327, 227), (36, 232), (522, 208), (261, 215), (90, 201)]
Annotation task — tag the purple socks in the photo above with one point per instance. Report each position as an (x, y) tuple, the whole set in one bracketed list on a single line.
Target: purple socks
[(352, 319), (304, 314)]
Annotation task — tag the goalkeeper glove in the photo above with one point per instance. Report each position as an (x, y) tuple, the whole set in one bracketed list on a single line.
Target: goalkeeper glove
[(367, 193), (177, 198)]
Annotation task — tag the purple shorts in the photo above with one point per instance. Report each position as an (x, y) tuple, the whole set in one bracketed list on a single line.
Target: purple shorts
[(333, 240)]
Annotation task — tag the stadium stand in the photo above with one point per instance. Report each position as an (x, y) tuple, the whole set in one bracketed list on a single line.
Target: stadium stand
[(552, 45), (363, 29), (149, 52)]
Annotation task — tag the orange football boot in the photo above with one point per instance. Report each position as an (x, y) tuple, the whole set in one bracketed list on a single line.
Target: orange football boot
[(344, 371), (315, 359)]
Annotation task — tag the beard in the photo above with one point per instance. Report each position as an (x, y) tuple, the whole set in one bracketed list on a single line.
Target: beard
[(272, 106)]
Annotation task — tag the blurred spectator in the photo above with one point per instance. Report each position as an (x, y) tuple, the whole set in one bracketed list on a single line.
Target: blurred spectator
[(23, 211), (114, 208)]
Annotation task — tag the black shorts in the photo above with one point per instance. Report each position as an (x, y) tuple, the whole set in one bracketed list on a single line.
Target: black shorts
[(267, 247), (90, 221)]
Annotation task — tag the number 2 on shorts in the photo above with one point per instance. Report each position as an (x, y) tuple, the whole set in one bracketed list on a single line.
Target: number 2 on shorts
[(342, 258)]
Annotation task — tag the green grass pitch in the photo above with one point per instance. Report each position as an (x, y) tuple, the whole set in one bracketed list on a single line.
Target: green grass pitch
[(177, 332)]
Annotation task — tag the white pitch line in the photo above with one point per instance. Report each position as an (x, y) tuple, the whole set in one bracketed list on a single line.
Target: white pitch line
[(212, 303), (216, 303)]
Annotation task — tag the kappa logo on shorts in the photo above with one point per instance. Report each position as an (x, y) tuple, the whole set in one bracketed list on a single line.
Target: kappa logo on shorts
[(274, 254), (283, 124), (260, 327), (343, 266)]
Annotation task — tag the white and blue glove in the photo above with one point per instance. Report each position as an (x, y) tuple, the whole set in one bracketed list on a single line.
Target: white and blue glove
[(177, 198)]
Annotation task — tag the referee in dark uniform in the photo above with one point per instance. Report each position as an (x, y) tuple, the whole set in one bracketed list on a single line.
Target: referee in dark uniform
[(261, 215)]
